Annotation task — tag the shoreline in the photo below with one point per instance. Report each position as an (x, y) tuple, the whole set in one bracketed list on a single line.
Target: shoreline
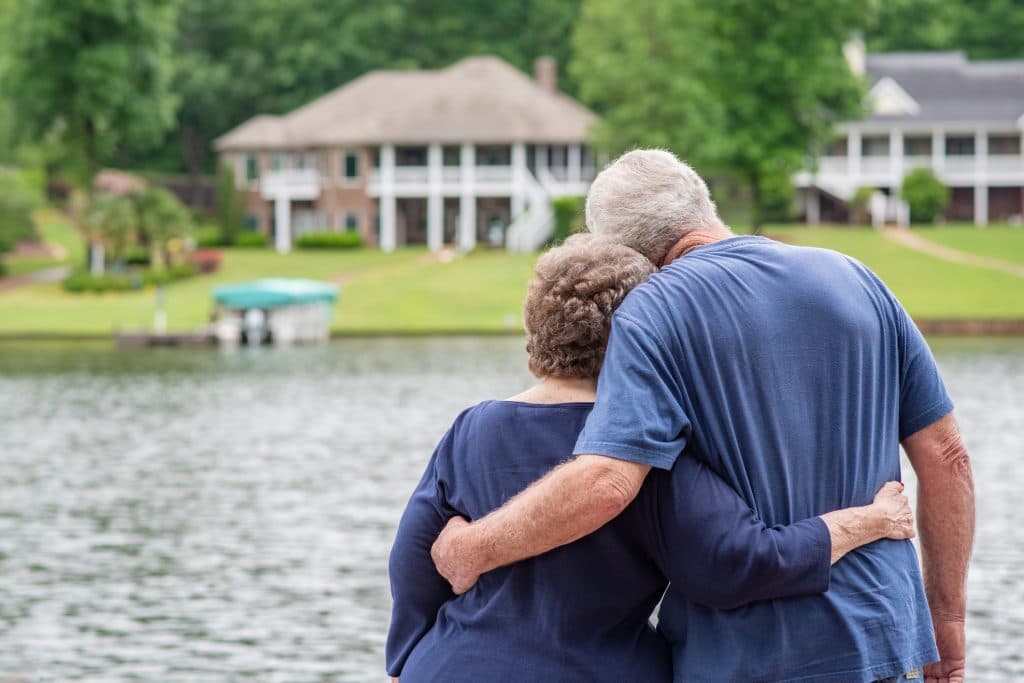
[(935, 327)]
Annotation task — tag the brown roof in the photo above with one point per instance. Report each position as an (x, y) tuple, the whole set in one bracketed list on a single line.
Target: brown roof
[(479, 99)]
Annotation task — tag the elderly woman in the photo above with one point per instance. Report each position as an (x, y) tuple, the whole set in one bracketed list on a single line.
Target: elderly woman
[(580, 612)]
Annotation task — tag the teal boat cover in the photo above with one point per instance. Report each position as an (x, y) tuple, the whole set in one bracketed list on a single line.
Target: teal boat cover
[(273, 293)]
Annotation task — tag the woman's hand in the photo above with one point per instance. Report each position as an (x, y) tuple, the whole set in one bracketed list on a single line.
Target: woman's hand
[(893, 509)]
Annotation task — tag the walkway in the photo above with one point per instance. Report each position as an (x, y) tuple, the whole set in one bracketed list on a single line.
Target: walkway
[(914, 241), (33, 278)]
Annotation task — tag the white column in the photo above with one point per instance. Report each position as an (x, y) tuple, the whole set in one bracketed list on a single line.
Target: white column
[(388, 228), (519, 171), (282, 223), (896, 160), (813, 206), (467, 198), (574, 161), (981, 178), (853, 149), (938, 151), (435, 200)]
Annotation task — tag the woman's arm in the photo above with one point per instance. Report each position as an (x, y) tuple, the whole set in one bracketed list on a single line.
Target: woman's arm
[(716, 552), (417, 590)]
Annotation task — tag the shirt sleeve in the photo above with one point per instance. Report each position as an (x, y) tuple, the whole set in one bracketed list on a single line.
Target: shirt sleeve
[(716, 552), (638, 414), (923, 395), (417, 590)]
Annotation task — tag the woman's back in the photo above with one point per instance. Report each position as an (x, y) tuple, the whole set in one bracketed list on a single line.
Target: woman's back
[(579, 612)]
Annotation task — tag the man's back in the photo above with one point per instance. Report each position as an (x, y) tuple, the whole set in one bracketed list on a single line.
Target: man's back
[(786, 370)]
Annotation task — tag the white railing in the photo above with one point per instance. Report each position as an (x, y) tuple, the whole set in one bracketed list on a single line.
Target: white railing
[(1006, 163), (411, 174), (493, 173), (451, 174), (833, 166), (296, 183), (875, 165), (532, 229), (958, 164)]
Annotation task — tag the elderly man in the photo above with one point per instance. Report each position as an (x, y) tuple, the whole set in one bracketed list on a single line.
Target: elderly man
[(795, 374)]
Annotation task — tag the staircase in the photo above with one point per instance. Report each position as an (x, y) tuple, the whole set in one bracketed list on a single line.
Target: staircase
[(531, 229)]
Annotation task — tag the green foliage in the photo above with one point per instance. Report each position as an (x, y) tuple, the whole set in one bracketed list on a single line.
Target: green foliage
[(250, 239), (925, 194), (82, 281), (777, 198), (112, 221), (858, 205), (569, 218), (984, 29), (161, 218), (90, 76), (229, 205), (18, 198), (208, 236), (330, 240), (734, 86)]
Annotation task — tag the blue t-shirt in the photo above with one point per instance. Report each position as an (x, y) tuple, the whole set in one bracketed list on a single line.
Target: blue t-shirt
[(794, 374), (580, 612)]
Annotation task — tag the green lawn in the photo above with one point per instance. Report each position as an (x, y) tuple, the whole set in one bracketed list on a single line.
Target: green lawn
[(413, 291), (56, 228), (1001, 242), (927, 286)]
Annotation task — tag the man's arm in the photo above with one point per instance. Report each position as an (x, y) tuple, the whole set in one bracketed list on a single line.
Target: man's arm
[(945, 518), (570, 502)]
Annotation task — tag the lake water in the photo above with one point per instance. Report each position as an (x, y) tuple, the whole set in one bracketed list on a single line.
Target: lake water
[(215, 516)]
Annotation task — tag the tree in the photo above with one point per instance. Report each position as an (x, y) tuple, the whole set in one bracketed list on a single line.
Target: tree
[(745, 88), (112, 222), (18, 198), (91, 75), (160, 217), (229, 205), (925, 194)]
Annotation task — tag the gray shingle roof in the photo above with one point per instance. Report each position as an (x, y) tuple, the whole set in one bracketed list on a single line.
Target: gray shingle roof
[(949, 88), (479, 99)]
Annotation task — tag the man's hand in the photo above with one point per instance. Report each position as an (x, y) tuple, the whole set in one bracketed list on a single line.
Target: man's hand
[(949, 635), (451, 561)]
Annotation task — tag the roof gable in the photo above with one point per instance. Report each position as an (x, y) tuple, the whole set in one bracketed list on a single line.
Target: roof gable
[(888, 98)]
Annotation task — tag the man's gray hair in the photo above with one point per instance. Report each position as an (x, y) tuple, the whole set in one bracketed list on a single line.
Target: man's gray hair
[(648, 199)]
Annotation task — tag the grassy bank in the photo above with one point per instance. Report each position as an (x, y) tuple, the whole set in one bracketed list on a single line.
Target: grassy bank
[(413, 291)]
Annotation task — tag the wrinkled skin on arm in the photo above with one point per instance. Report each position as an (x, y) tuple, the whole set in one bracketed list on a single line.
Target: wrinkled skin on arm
[(945, 516), (570, 502)]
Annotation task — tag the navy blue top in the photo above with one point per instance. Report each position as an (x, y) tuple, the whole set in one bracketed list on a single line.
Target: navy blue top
[(794, 374), (580, 612)]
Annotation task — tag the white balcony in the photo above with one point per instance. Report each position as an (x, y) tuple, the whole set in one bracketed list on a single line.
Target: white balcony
[(999, 164), (293, 183), (493, 174), (412, 174)]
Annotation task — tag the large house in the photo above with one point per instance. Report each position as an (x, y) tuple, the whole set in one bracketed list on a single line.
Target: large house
[(961, 118), (471, 154)]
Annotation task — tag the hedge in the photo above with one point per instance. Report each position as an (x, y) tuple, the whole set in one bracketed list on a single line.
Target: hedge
[(330, 240), (84, 281)]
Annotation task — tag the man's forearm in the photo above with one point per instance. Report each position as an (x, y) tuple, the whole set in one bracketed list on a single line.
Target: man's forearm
[(945, 514), (571, 501)]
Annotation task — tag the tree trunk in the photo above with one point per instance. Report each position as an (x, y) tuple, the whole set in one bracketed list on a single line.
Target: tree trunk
[(193, 148)]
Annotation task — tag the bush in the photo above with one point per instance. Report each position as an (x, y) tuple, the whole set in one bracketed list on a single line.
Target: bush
[(330, 240), (250, 239), (925, 194), (569, 218), (858, 205), (136, 256), (207, 260), (84, 281), (229, 205), (208, 236)]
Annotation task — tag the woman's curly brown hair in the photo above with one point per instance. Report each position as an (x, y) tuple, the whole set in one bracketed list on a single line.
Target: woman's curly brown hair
[(568, 311)]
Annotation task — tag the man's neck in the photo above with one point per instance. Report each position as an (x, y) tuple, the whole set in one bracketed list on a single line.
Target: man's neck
[(694, 239)]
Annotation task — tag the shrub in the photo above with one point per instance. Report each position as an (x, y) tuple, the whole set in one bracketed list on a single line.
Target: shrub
[(330, 240), (858, 205), (925, 194), (135, 255), (250, 239), (84, 281), (208, 236), (180, 271), (207, 260), (229, 205), (569, 218)]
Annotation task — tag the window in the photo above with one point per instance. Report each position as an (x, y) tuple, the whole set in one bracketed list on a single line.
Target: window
[(350, 166), (494, 155), (410, 156), (917, 146), (252, 167), (1004, 144), (836, 148), (960, 146), (350, 221), (277, 161), (451, 155), (875, 146)]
